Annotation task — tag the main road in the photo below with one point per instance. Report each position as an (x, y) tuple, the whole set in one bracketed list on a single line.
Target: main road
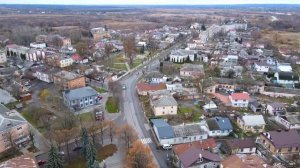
[(132, 111)]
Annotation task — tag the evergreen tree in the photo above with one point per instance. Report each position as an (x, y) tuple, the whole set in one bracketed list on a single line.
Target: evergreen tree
[(84, 139), (142, 50), (54, 160), (203, 28), (90, 154)]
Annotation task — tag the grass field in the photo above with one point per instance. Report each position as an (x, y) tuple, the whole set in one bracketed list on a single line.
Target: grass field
[(100, 90), (106, 152), (289, 40), (112, 106), (86, 117)]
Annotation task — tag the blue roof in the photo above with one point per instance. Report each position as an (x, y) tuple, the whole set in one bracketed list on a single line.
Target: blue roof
[(165, 131), (224, 123)]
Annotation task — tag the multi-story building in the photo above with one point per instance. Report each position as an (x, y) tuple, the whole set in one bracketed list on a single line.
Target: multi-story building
[(276, 109), (164, 105), (251, 123), (14, 130), (68, 80), (81, 98), (44, 73), (285, 142)]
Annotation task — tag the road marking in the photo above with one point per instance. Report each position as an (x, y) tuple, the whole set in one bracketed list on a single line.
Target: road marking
[(146, 140)]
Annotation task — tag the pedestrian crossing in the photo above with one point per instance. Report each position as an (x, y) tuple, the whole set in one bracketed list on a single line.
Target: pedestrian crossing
[(146, 140)]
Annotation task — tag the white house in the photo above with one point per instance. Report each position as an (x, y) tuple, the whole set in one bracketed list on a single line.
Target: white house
[(262, 67), (239, 99), (287, 79), (284, 67), (182, 55), (155, 77), (2, 57), (175, 87), (289, 121), (209, 106), (218, 126), (276, 109), (38, 45), (251, 123), (65, 62), (185, 133), (44, 73), (165, 105), (272, 61)]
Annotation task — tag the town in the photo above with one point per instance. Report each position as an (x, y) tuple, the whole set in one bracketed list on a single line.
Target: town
[(218, 90)]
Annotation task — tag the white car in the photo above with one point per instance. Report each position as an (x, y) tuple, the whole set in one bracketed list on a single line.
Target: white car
[(167, 146)]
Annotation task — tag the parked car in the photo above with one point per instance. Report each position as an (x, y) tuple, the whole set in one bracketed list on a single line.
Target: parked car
[(77, 148), (41, 162), (99, 116), (167, 146), (61, 153), (123, 87)]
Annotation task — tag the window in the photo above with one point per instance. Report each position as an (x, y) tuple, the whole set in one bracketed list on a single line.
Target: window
[(290, 149), (19, 128), (86, 99), (91, 102), (297, 148), (279, 150), (242, 150)]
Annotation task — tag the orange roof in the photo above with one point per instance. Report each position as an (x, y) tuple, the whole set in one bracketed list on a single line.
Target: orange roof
[(150, 87), (26, 160), (244, 161), (204, 144), (240, 96)]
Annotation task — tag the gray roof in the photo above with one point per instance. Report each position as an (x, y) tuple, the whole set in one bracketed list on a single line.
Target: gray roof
[(183, 52), (253, 120), (219, 123), (68, 75), (80, 93), (9, 118), (277, 105), (165, 131), (192, 67), (165, 101), (154, 74)]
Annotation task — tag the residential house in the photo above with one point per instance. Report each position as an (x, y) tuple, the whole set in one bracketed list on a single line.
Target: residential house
[(239, 146), (192, 70), (285, 142), (210, 106), (155, 77), (145, 88), (2, 57), (272, 61), (14, 129), (196, 157), (37, 45), (182, 55), (68, 80), (6, 97), (81, 98), (289, 121), (164, 105), (239, 99), (256, 107), (175, 87), (78, 59), (276, 109), (251, 123), (185, 133), (244, 161), (54, 40), (58, 60), (206, 144), (24, 161), (286, 79), (262, 67), (231, 60), (284, 67), (218, 126), (44, 73)]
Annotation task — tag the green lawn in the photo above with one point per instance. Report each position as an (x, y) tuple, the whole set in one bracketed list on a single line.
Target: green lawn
[(12, 105), (100, 90), (120, 66), (188, 112), (86, 117), (112, 106), (106, 152), (30, 118), (137, 62), (78, 163)]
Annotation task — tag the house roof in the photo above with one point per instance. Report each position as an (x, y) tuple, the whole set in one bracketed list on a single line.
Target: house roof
[(279, 138), (277, 105), (219, 123), (240, 143), (68, 75), (76, 57), (154, 74), (243, 161), (193, 154), (23, 161), (255, 103), (165, 101), (80, 93), (262, 63), (150, 87), (192, 67), (204, 144), (293, 76), (240, 96), (9, 118), (165, 131), (253, 120)]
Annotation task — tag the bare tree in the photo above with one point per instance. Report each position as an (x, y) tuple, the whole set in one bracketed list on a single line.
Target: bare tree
[(129, 48), (111, 130), (108, 48), (128, 134), (24, 35)]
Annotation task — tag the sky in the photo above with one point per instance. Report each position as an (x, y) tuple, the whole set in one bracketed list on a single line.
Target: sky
[(148, 2)]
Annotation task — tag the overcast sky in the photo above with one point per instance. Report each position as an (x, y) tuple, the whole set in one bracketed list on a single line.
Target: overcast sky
[(157, 2)]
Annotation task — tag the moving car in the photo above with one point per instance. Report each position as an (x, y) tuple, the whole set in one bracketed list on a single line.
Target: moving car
[(167, 146)]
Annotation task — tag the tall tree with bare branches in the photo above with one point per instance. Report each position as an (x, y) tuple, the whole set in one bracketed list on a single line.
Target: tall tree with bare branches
[(129, 48), (127, 134)]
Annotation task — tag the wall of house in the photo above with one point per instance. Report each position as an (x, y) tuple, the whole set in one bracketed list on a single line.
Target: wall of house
[(17, 134), (245, 150), (2, 57), (76, 83), (239, 103), (167, 110), (215, 133), (286, 123), (275, 94), (261, 68), (44, 77), (83, 102), (65, 62)]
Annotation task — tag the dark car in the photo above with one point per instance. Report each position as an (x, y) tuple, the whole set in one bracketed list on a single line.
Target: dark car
[(77, 148), (41, 162)]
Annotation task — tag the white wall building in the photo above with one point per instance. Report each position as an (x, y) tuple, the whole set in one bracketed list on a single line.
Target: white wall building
[(262, 67), (239, 99), (3, 58), (289, 121)]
